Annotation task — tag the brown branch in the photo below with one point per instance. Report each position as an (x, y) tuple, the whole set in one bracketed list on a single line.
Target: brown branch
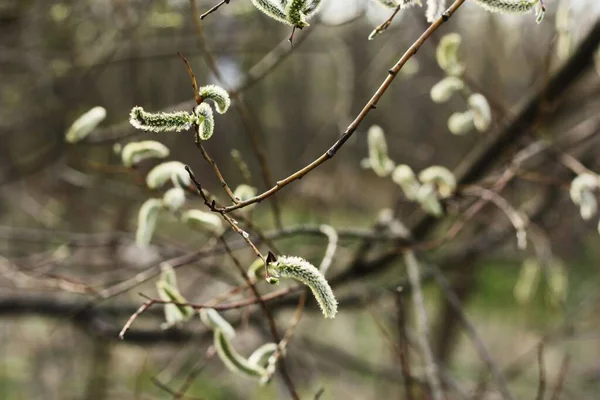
[(471, 332), (403, 344), (371, 105), (136, 314), (218, 173), (242, 109), (562, 376)]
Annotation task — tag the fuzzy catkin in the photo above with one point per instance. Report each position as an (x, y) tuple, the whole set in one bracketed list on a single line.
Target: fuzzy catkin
[(213, 320), (164, 172), (482, 113), (218, 95), (301, 270), (272, 10), (446, 54), (160, 122), (205, 123), (379, 161), (85, 124), (147, 217), (262, 354), (294, 14), (232, 359), (203, 220), (435, 9), (444, 89), (404, 176), (507, 6), (135, 152), (173, 199), (441, 177)]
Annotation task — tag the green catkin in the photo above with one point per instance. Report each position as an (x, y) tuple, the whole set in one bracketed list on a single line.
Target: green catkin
[(218, 95), (435, 9), (167, 274), (255, 267), (147, 217), (582, 194), (85, 124), (232, 359), (168, 292), (301, 270), (379, 161), (262, 354), (446, 54), (294, 14), (167, 171), (404, 176), (426, 196), (244, 192), (507, 6), (401, 3), (173, 199), (212, 319), (135, 152), (482, 113), (203, 220), (461, 123), (205, 123), (160, 122), (272, 10), (444, 89), (441, 177), (311, 8)]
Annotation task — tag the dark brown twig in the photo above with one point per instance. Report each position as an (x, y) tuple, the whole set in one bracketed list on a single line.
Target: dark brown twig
[(214, 8), (371, 104), (403, 344), (542, 380)]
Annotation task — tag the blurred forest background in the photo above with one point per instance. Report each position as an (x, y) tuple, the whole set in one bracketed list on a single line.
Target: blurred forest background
[(68, 211)]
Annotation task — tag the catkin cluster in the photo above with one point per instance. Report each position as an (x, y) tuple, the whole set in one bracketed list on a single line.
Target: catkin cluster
[(479, 114), (433, 183), (583, 194), (202, 118)]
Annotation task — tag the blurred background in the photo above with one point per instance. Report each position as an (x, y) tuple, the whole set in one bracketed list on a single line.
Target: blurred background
[(68, 212)]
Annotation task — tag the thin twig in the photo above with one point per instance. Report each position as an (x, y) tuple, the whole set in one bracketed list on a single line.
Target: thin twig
[(371, 105), (217, 172), (139, 312), (562, 376), (542, 381), (386, 24), (242, 109), (213, 9), (190, 71), (403, 345), (454, 302), (431, 371), (282, 367)]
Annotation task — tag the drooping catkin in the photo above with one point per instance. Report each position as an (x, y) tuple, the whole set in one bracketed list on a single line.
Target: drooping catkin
[(301, 270)]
